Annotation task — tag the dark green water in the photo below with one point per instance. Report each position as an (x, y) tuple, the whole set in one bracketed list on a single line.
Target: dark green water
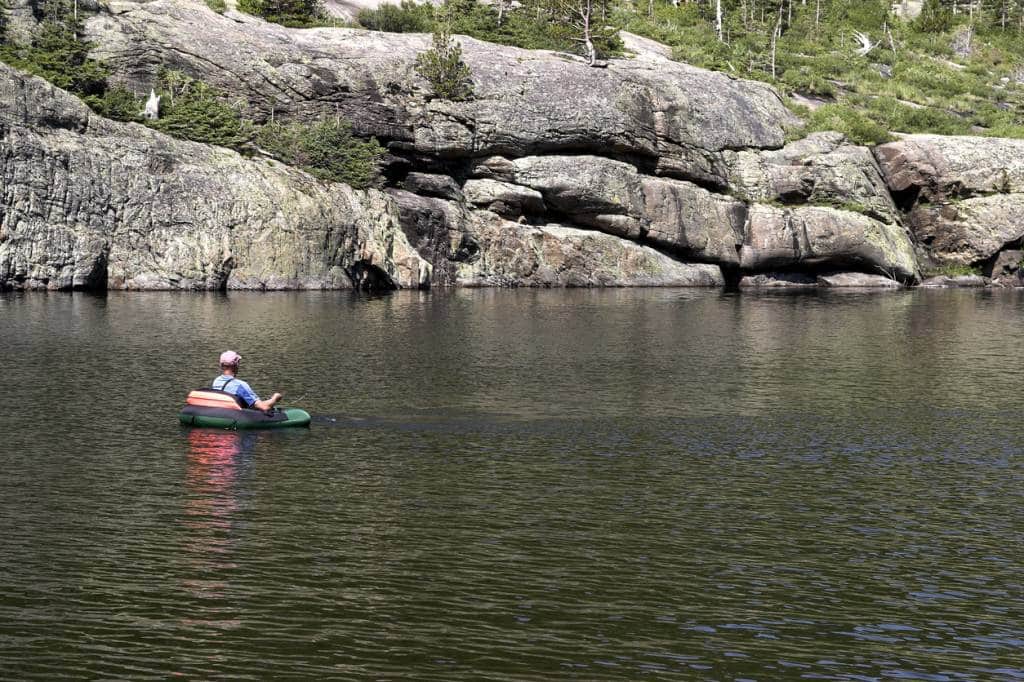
[(517, 485)]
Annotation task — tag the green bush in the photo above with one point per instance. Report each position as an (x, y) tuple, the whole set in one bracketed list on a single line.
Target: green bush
[(327, 149), (56, 54), (443, 68), (804, 80), (852, 123), (291, 13), (409, 17), (218, 6), (193, 110), (119, 104)]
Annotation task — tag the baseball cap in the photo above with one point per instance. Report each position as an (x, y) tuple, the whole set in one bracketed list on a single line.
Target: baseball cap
[(229, 357)]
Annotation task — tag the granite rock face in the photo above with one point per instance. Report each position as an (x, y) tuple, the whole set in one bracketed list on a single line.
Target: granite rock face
[(964, 196), (822, 169), (90, 203), (471, 247), (647, 150), (527, 102), (817, 237), (646, 172)]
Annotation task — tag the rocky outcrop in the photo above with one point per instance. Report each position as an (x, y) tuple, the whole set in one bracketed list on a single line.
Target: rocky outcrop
[(1006, 269), (558, 256), (647, 150), (821, 237), (646, 172), (963, 195), (668, 115), (614, 197), (480, 248), (89, 203), (857, 280), (822, 169)]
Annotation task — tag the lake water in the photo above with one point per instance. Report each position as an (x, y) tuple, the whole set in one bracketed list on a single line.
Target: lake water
[(524, 485)]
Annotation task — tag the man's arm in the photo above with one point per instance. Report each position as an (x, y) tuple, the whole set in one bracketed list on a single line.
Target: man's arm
[(267, 404)]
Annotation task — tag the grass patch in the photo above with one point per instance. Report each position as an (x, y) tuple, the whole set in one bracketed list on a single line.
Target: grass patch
[(953, 270), (847, 120), (911, 81)]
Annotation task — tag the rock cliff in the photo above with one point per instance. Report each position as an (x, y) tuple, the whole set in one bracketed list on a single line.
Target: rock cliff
[(964, 196), (90, 203), (647, 172)]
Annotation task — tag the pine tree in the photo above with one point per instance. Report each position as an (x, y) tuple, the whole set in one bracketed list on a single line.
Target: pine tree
[(442, 66)]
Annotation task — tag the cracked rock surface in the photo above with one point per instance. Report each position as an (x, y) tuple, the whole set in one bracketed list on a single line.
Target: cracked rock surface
[(648, 172), (90, 203), (964, 196)]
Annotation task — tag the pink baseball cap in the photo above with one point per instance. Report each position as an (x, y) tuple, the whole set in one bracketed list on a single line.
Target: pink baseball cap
[(229, 357)]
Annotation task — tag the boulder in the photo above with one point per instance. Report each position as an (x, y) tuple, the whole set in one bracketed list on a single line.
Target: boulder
[(504, 198), (949, 281), (89, 203), (688, 219), (858, 280), (818, 237), (779, 280), (964, 195), (1006, 268), (935, 167), (433, 185), (555, 256), (822, 169), (588, 190), (968, 231)]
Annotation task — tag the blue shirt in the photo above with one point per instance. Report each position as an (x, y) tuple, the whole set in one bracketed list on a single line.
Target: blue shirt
[(237, 387)]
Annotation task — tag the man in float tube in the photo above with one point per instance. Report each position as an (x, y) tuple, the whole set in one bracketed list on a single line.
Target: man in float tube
[(227, 381)]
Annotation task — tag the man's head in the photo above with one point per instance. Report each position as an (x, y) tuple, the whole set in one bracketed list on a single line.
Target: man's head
[(229, 360)]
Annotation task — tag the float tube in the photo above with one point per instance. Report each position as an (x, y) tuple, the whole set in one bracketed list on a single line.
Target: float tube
[(223, 410)]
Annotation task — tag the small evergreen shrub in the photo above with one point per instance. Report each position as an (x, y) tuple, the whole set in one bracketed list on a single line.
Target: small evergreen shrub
[(934, 17), (443, 68), (326, 149), (193, 110), (409, 17), (119, 104), (218, 6)]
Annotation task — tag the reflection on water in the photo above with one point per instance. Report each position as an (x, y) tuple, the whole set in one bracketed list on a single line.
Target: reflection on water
[(218, 463), (517, 485)]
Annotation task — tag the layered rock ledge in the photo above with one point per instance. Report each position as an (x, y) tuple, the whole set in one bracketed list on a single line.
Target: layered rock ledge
[(963, 197), (647, 172)]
